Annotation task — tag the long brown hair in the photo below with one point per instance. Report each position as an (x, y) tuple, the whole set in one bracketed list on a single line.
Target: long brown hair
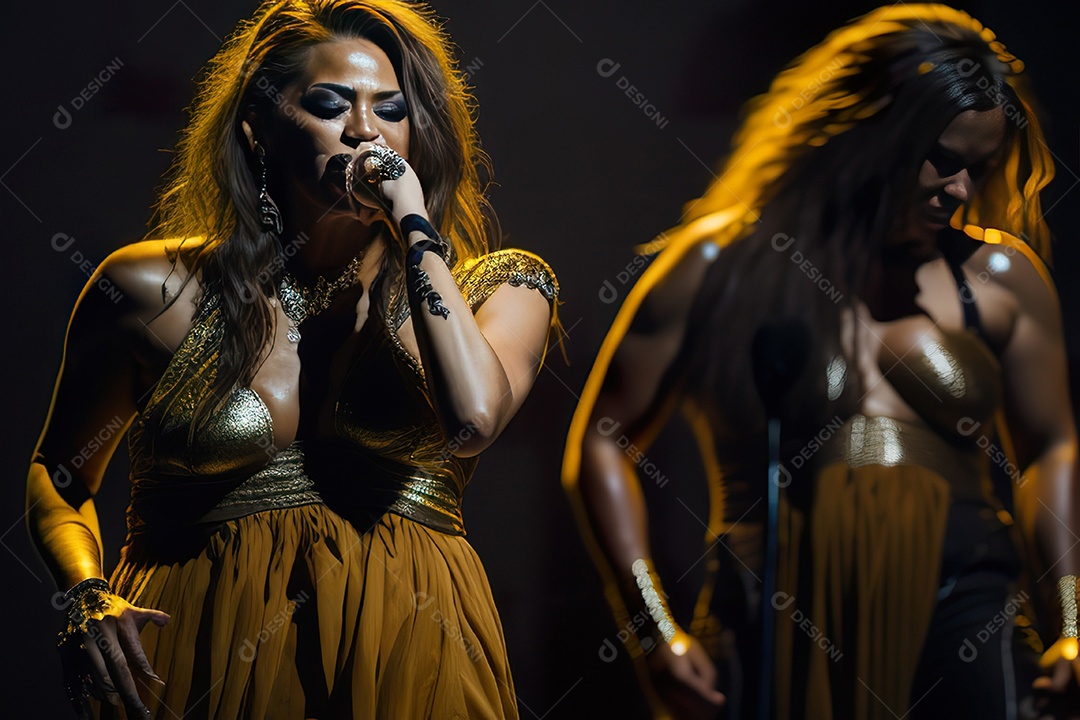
[(212, 191), (823, 166)]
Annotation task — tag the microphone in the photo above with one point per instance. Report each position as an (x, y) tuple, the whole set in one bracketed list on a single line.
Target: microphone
[(353, 180), (779, 351)]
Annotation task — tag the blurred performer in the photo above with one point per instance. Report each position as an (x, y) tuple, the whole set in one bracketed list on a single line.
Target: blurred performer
[(310, 358), (882, 199)]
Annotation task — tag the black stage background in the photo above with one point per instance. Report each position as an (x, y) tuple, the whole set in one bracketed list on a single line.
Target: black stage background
[(584, 173)]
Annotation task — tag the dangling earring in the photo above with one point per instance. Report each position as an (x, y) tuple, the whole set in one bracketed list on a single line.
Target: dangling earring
[(268, 209)]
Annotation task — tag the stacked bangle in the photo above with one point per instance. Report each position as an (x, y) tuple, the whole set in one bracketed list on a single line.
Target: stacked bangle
[(1067, 595), (656, 607), (1066, 647)]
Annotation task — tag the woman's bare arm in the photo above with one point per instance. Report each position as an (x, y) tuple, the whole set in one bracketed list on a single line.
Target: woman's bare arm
[(479, 369), (1043, 434), (93, 403), (626, 400)]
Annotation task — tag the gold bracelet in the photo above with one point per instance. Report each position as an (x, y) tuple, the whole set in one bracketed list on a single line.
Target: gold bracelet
[(657, 610), (89, 600), (1067, 595)]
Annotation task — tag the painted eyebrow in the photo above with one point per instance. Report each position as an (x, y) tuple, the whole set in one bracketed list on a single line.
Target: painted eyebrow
[(349, 94)]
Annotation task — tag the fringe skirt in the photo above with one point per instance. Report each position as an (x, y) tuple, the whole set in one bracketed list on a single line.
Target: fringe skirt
[(875, 541)]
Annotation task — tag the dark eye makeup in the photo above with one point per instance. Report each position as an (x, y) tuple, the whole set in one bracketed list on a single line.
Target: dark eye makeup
[(323, 103), (328, 101), (394, 109)]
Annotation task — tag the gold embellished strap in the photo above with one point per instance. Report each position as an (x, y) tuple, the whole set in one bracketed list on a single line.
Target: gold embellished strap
[(191, 372), (479, 277), (1067, 595)]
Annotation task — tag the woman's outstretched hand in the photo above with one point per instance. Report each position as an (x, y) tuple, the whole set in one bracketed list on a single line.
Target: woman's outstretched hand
[(685, 682), (1058, 692), (105, 657)]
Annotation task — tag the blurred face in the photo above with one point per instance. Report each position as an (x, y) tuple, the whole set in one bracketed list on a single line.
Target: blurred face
[(348, 93), (965, 154)]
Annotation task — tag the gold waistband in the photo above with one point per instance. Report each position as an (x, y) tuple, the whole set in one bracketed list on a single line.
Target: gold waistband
[(280, 484), (424, 495), (864, 441), (363, 486)]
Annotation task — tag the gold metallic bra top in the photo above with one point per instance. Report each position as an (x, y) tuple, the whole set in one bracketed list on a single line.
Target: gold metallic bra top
[(953, 382), (386, 433), (228, 467)]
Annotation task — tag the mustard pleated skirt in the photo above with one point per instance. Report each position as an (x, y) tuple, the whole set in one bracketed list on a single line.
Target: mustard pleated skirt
[(875, 537), (291, 614)]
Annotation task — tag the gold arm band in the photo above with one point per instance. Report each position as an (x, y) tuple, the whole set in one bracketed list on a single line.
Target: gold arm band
[(656, 607), (1067, 595)]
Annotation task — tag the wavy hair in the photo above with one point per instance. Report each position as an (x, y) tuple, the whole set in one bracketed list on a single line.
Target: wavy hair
[(212, 191)]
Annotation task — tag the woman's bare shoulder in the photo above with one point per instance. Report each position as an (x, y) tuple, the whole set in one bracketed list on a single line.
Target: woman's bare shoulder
[(140, 269), (1013, 265), (670, 284)]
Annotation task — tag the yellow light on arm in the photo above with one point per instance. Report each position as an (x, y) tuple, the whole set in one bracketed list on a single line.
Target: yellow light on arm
[(680, 643), (1065, 648)]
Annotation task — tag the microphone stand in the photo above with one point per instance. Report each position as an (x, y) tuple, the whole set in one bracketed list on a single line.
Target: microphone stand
[(772, 550), (780, 349)]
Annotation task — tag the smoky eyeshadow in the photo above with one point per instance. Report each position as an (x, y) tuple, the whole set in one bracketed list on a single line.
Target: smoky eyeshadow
[(323, 102), (394, 109)]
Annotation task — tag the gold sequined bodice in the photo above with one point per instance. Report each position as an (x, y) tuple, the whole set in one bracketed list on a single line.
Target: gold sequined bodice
[(183, 475), (388, 452)]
